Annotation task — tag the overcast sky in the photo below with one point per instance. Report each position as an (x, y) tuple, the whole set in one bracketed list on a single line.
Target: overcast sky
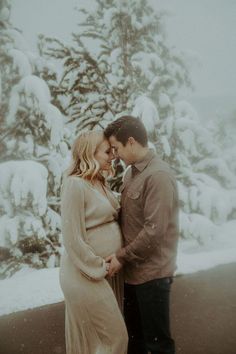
[(204, 27)]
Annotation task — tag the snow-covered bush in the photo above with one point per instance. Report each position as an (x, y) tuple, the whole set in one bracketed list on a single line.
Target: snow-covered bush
[(29, 227), (33, 156)]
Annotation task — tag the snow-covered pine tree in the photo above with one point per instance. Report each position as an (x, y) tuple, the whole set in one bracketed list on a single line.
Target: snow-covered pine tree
[(207, 185), (119, 53), (32, 157), (224, 128), (121, 63)]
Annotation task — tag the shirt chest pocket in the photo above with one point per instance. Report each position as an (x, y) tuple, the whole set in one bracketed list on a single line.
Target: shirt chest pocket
[(134, 205)]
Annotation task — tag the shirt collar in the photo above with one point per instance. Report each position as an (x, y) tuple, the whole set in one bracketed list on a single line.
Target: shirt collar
[(140, 165)]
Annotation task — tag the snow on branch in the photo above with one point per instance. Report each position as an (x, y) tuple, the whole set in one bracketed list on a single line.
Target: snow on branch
[(20, 62), (18, 40), (54, 122), (145, 63), (34, 90), (145, 109), (23, 184), (197, 226), (206, 196), (217, 166)]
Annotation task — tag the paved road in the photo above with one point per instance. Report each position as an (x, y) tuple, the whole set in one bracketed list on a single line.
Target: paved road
[(203, 319)]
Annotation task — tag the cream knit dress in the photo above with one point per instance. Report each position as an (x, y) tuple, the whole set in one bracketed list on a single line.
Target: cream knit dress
[(94, 323)]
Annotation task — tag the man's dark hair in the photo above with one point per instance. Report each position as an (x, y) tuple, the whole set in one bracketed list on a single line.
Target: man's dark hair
[(125, 127)]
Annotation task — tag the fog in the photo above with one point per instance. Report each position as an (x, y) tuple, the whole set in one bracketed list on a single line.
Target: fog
[(204, 29)]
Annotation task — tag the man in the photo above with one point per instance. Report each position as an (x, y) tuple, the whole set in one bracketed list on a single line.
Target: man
[(149, 222)]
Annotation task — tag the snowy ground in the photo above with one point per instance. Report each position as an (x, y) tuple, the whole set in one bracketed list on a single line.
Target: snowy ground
[(30, 288)]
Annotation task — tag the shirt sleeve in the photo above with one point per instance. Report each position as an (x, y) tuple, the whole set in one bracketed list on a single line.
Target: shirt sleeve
[(158, 201), (74, 231)]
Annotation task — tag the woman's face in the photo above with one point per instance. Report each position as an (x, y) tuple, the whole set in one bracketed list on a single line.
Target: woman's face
[(104, 155)]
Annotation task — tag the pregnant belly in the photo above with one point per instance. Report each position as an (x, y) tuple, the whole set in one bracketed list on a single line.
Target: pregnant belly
[(105, 239)]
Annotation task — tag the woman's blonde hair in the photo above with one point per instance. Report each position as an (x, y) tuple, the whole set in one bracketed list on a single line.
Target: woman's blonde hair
[(83, 152)]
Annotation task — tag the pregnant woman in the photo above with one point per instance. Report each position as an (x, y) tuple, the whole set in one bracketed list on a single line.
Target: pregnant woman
[(94, 323)]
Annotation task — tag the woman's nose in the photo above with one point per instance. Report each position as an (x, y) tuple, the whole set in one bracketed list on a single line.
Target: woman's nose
[(112, 155), (115, 154)]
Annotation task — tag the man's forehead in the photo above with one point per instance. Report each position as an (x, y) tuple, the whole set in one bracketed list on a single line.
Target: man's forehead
[(113, 141)]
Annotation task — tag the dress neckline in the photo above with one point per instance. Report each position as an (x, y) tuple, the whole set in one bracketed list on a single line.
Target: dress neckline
[(101, 194)]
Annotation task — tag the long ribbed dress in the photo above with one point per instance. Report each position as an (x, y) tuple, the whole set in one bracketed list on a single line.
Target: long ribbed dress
[(94, 323)]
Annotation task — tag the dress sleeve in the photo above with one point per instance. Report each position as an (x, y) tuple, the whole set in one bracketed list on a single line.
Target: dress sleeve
[(74, 231)]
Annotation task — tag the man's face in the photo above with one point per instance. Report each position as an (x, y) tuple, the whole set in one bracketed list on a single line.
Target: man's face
[(121, 151)]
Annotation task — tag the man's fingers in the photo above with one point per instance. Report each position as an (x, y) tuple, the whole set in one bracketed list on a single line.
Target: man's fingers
[(111, 271), (114, 265), (109, 258)]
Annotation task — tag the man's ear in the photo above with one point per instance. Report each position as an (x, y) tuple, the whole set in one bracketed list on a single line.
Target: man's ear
[(131, 140)]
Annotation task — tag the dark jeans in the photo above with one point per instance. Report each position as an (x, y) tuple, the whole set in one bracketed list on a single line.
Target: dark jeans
[(146, 311)]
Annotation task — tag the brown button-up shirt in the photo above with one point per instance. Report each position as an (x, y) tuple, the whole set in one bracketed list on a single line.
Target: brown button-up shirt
[(149, 220)]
